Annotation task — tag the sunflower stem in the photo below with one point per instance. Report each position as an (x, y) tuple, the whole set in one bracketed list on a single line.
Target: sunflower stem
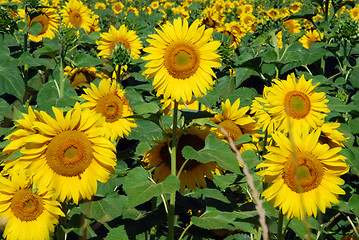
[(280, 226), (171, 212), (26, 67), (61, 73), (185, 230)]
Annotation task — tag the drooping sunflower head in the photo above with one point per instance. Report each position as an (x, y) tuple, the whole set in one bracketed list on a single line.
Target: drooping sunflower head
[(69, 153), (128, 39), (181, 59), (109, 100), (236, 122), (331, 136), (296, 104), (80, 76), (194, 173), (310, 37), (304, 174), (76, 14), (29, 210)]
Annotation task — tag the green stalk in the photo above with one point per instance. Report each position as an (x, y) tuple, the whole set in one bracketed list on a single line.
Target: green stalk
[(171, 211), (280, 226), (26, 67), (61, 72)]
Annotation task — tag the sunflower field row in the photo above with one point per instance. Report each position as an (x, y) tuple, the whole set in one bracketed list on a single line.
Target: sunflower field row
[(196, 119)]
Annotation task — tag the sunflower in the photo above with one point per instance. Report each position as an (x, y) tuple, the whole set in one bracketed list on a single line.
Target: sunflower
[(236, 123), (70, 153), (193, 173), (109, 100), (296, 105), (129, 39), (49, 20), (331, 136), (304, 174), (181, 60), (117, 7), (76, 14), (354, 13), (292, 25), (310, 37), (30, 212), (80, 76)]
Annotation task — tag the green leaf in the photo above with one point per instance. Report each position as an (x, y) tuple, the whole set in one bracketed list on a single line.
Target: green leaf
[(86, 60), (354, 125), (354, 77), (214, 219), (214, 150), (224, 181), (190, 115), (118, 233), (210, 98), (105, 209), (140, 188), (339, 106), (146, 108), (11, 81), (5, 109), (353, 203), (145, 131), (243, 73), (32, 62), (35, 29), (303, 229), (210, 193), (48, 96)]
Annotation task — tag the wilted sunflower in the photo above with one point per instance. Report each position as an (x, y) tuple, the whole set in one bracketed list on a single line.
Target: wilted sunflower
[(296, 104), (194, 173), (80, 76), (30, 213), (70, 153), (236, 123), (76, 14), (303, 174), (181, 59), (49, 20), (129, 39), (109, 100)]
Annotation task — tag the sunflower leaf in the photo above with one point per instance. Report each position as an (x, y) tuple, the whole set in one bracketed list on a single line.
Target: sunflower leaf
[(214, 150), (214, 219), (140, 188), (11, 81), (118, 233)]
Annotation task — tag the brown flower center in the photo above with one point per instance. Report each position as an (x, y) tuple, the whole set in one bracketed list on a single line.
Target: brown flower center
[(69, 153), (26, 205), (181, 60), (297, 104), (303, 172), (232, 129), (111, 107)]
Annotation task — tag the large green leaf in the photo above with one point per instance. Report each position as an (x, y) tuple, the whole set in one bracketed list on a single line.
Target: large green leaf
[(140, 188), (214, 150), (31, 61), (105, 209), (10, 78), (118, 233), (5, 109), (48, 96), (86, 60), (145, 131), (214, 219)]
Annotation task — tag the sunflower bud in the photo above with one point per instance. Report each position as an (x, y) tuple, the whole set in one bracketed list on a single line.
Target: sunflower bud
[(349, 30), (121, 55)]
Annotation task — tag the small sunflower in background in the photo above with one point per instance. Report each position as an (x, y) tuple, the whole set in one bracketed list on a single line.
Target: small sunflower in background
[(30, 212), (310, 37), (236, 123), (181, 58), (76, 14), (296, 105), (109, 100), (49, 20), (117, 7), (69, 153), (129, 39), (194, 173), (80, 76), (304, 174)]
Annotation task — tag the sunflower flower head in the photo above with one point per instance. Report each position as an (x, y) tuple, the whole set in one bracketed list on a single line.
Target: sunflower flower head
[(69, 153), (303, 174), (194, 173), (76, 14), (109, 100), (30, 212), (181, 58), (295, 104)]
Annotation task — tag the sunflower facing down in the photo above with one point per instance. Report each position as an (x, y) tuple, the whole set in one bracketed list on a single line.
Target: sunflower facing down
[(129, 39), (193, 173), (236, 123), (69, 153), (30, 212), (304, 174), (296, 105), (109, 100), (181, 59), (80, 76), (76, 14)]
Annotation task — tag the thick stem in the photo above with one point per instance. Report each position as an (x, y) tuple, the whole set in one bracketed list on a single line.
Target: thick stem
[(280, 226), (171, 212), (61, 72)]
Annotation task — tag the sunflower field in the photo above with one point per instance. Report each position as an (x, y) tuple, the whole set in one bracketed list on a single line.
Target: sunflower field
[(195, 119)]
